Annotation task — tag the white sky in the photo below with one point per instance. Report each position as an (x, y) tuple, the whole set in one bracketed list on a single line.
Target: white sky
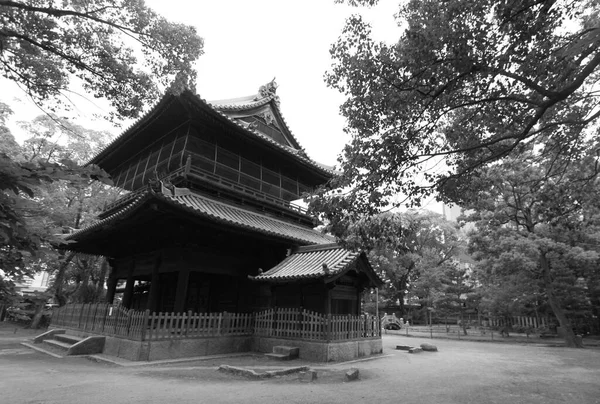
[(247, 44)]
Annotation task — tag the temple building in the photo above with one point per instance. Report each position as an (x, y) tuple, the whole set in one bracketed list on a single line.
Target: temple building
[(212, 223)]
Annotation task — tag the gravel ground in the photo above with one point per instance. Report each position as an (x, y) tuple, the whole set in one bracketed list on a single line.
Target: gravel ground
[(461, 372)]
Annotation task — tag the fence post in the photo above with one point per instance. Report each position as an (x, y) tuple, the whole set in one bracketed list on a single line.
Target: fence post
[(219, 323), (328, 328), (145, 324)]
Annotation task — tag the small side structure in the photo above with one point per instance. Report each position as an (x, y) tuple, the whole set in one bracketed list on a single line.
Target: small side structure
[(210, 251)]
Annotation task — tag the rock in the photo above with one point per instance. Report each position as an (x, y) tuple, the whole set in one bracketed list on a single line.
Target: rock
[(429, 347), (352, 374), (307, 376), (403, 347), (415, 350)]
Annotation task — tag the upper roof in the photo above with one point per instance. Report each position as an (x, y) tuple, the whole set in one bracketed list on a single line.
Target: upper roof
[(328, 261), (212, 210), (232, 112)]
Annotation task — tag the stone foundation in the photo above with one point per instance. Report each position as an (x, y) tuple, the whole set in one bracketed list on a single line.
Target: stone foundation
[(335, 351), (315, 351)]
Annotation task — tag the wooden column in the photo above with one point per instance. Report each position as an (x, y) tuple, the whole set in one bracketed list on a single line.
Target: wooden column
[(182, 287), (127, 296), (152, 303), (328, 288), (111, 284)]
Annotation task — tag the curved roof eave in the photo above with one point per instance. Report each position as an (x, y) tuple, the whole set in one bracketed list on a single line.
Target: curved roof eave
[(169, 98)]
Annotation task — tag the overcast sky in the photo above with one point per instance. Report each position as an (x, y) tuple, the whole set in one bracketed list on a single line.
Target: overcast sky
[(248, 43)]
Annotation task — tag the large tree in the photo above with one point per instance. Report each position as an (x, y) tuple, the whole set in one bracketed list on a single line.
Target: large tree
[(403, 248), (537, 221), (119, 50), (466, 84)]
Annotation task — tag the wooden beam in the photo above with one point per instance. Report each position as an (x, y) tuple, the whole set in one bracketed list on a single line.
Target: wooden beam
[(182, 287), (152, 303), (128, 295)]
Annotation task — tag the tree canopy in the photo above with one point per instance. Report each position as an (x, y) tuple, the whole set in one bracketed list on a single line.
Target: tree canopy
[(119, 50), (537, 233), (467, 84)]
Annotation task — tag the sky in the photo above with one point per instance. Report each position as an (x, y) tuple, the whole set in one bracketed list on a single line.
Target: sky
[(247, 44)]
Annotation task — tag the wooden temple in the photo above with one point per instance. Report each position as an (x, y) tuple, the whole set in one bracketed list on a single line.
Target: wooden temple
[(210, 223)]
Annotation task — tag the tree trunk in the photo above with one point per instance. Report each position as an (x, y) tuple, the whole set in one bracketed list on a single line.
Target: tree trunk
[(101, 280), (39, 313), (56, 288), (554, 303)]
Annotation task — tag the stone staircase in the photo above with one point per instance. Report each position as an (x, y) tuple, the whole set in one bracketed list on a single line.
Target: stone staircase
[(63, 344), (284, 353)]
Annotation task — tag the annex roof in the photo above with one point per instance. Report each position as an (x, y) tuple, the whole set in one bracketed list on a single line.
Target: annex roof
[(211, 210), (327, 261)]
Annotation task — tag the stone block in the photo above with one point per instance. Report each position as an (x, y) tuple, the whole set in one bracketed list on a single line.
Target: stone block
[(48, 335), (87, 346), (429, 347), (352, 374), (404, 347), (415, 350), (308, 376)]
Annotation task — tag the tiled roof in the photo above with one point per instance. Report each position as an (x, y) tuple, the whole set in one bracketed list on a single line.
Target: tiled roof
[(309, 262), (214, 211), (245, 219), (220, 108), (242, 103)]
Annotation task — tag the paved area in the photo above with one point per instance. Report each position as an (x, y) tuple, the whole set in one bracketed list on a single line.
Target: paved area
[(461, 372)]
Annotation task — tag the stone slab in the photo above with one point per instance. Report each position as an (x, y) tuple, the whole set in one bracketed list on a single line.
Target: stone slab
[(352, 374), (429, 347)]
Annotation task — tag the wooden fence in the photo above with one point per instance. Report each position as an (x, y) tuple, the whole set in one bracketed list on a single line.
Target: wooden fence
[(522, 321), (281, 322), (307, 325)]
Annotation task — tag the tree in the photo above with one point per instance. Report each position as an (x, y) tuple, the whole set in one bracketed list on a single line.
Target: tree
[(402, 247), (119, 50), (59, 204), (455, 287), (467, 84), (538, 220)]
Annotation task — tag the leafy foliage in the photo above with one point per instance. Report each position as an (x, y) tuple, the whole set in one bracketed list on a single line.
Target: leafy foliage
[(407, 249), (45, 192), (467, 84), (537, 232), (119, 50)]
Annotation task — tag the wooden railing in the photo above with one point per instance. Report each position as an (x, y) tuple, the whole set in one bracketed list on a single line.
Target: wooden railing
[(197, 325), (307, 325), (521, 321), (281, 323)]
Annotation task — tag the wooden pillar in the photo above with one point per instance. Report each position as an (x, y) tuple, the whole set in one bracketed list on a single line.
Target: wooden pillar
[(128, 295), (328, 287), (152, 304), (182, 287), (111, 284)]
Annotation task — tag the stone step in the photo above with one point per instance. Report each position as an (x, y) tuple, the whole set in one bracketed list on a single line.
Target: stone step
[(70, 339), (293, 352), (281, 357), (64, 346)]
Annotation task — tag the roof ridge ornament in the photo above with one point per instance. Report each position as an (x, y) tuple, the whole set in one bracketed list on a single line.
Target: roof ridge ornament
[(267, 90)]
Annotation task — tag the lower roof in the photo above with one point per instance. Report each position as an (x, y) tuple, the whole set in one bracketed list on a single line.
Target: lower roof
[(326, 261), (209, 209)]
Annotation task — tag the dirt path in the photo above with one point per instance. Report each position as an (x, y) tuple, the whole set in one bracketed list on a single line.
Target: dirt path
[(461, 372)]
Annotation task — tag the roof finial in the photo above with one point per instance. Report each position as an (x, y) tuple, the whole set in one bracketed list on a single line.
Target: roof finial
[(268, 89)]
